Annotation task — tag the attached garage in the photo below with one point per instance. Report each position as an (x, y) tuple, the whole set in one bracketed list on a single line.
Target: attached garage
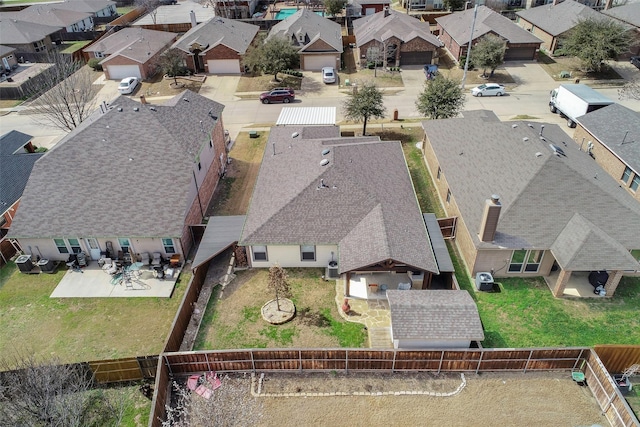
[(415, 58), (520, 53), (119, 72), (223, 66), (316, 62)]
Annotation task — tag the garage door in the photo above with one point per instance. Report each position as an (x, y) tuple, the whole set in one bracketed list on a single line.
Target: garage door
[(119, 72), (316, 62), (519, 53), (224, 66), (415, 58)]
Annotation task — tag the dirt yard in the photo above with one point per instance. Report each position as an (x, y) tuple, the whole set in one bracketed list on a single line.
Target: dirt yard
[(490, 399)]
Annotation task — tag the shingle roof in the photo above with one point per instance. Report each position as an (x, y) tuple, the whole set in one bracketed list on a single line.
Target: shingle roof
[(368, 206), (13, 31), (126, 173), (380, 27), (314, 26), (49, 14), (89, 6), (434, 315), (559, 18), (5, 50), (231, 33), (629, 13), (15, 167), (618, 128), (177, 14), (539, 191), (458, 25), (137, 44)]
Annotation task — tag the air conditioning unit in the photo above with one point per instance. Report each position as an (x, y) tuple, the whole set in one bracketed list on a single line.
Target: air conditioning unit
[(484, 281), (24, 263), (332, 271), (46, 265)]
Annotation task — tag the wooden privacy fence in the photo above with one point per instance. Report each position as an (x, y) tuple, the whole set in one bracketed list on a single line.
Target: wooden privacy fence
[(126, 369), (617, 358)]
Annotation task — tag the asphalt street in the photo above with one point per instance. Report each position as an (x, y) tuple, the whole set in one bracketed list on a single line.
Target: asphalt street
[(529, 96)]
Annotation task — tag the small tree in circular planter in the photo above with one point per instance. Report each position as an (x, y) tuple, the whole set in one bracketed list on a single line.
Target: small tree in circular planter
[(281, 309)]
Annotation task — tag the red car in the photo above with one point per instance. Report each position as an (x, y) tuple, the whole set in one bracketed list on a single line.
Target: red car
[(279, 94)]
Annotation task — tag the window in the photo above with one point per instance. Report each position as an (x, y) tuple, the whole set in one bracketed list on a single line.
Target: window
[(39, 46), (626, 175), (62, 247), (259, 253), (635, 183), (439, 173), (169, 248), (125, 244), (448, 196), (517, 260), (74, 244), (533, 261), (98, 55), (308, 253)]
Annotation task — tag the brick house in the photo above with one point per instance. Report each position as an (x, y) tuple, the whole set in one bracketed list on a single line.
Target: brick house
[(628, 14), (31, 41), (366, 7), (553, 21), (403, 39), (527, 202), (217, 46), (130, 52), (318, 39), (8, 57), (138, 175), (70, 21), (611, 136), (454, 31)]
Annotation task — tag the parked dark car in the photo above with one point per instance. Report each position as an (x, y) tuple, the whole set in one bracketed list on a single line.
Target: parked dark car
[(635, 60), (279, 94)]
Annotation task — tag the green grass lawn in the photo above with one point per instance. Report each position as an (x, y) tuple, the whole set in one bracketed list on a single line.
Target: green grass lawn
[(71, 47), (79, 329)]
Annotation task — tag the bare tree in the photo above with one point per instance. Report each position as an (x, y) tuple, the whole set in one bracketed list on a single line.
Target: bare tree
[(631, 90), (150, 7), (172, 63), (33, 393), (278, 282), (65, 93)]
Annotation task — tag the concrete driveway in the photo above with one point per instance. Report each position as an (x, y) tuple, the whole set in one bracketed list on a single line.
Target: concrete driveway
[(413, 78)]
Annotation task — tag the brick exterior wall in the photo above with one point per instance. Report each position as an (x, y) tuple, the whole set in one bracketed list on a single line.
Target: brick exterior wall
[(450, 43), (206, 187), (415, 45), (605, 158), (548, 41)]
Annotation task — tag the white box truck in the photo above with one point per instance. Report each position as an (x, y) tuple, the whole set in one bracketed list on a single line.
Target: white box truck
[(574, 100)]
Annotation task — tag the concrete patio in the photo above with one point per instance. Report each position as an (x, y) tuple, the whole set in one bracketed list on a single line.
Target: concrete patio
[(373, 286), (578, 285), (93, 282)]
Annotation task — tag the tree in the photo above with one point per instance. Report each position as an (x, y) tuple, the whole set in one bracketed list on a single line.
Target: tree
[(454, 4), (150, 7), (595, 40), (631, 90), (364, 103), (65, 93), (334, 7), (278, 282), (441, 98), (172, 63), (375, 56), (489, 53), (274, 55), (33, 393)]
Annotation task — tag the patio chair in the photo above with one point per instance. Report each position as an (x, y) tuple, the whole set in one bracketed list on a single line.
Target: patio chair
[(157, 258), (144, 258)]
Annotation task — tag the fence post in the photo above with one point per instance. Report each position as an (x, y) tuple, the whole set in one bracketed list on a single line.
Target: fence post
[(441, 357), (253, 362), (393, 363), (578, 359), (346, 361), (168, 364), (528, 360), (300, 360)]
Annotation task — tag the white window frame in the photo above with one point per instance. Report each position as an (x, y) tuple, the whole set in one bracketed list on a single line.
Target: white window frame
[(62, 248), (123, 246), (168, 248), (307, 251), (258, 249), (74, 248)]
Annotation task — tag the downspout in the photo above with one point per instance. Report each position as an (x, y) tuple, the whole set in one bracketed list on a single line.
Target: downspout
[(195, 180)]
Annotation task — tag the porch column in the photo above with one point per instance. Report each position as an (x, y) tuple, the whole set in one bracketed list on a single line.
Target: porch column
[(561, 283), (612, 283), (346, 288)]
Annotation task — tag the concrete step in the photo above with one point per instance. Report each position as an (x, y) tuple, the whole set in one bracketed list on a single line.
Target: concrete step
[(380, 338)]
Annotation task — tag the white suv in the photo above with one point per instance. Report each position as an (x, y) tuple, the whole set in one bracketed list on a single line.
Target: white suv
[(328, 75)]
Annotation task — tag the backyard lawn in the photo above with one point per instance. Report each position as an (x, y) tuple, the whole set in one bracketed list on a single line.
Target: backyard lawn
[(235, 320), (79, 329)]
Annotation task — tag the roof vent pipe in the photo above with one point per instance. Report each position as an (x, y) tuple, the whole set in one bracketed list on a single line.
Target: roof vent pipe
[(541, 129)]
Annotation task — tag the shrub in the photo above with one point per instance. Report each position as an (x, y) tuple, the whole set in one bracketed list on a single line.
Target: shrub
[(462, 61), (292, 73), (95, 64)]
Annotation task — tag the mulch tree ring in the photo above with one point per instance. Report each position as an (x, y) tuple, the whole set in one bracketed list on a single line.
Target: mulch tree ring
[(271, 314)]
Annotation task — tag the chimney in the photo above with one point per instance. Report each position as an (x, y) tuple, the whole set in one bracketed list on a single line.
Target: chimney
[(490, 218), (143, 100), (192, 15)]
